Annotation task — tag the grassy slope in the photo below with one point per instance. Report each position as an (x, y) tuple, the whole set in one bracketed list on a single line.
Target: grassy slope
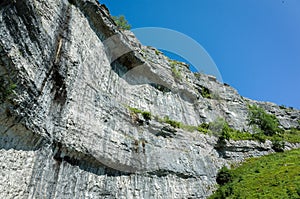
[(272, 176)]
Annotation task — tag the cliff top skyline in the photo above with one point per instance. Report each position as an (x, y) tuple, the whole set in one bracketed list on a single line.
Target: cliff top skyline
[(255, 45)]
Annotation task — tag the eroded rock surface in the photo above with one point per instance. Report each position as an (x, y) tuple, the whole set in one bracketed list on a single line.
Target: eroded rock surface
[(67, 131)]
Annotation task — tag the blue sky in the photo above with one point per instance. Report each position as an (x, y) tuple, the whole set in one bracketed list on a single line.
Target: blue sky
[(254, 43)]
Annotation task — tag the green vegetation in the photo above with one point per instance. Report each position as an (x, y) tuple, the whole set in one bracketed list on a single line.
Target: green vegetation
[(157, 52), (292, 135), (121, 22), (278, 144), (176, 67), (266, 126), (135, 110), (176, 72), (6, 90), (223, 131), (146, 115), (224, 176), (273, 176), (173, 123), (176, 63), (206, 93), (203, 128), (268, 123)]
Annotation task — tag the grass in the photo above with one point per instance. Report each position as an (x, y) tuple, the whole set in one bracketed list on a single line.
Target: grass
[(292, 135), (176, 67), (146, 114), (173, 123), (273, 176)]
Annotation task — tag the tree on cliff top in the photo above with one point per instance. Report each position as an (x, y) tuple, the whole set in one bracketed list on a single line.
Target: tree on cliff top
[(121, 22)]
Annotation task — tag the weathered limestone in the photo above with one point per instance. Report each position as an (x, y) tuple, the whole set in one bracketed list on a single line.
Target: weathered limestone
[(67, 131)]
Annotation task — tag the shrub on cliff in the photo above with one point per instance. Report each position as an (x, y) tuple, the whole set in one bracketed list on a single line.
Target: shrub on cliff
[(221, 129), (173, 123), (278, 145), (268, 123), (6, 90), (224, 176), (121, 22), (147, 115)]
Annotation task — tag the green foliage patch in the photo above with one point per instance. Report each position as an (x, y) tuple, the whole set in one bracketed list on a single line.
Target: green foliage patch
[(292, 135), (224, 176), (221, 129), (173, 123), (206, 93), (176, 72), (121, 22), (6, 90), (146, 114), (273, 176), (268, 123)]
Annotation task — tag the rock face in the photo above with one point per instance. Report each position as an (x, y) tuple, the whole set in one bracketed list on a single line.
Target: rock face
[(67, 131)]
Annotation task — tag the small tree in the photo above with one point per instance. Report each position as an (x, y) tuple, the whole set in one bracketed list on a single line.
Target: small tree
[(121, 22), (221, 129), (224, 176), (268, 123), (278, 145)]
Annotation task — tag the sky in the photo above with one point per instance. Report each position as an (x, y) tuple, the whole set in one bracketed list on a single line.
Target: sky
[(254, 43)]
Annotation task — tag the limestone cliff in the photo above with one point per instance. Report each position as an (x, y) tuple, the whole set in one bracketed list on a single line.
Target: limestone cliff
[(67, 130)]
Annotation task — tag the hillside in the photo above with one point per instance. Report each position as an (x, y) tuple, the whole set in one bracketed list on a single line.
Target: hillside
[(272, 176)]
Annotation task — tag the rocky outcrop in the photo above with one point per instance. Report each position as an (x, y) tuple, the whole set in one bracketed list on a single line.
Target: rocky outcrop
[(66, 130)]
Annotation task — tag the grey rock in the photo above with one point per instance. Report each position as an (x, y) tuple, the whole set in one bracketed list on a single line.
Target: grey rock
[(67, 131)]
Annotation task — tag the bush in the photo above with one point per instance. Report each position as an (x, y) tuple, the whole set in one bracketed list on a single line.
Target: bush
[(121, 22), (224, 176), (266, 122), (6, 90), (221, 129), (223, 192), (146, 115), (226, 132), (278, 145), (134, 110), (173, 123), (205, 93), (203, 128), (298, 191), (260, 137), (176, 72)]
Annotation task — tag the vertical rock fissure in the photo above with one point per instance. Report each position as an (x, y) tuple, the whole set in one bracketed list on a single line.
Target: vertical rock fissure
[(56, 167), (57, 71)]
